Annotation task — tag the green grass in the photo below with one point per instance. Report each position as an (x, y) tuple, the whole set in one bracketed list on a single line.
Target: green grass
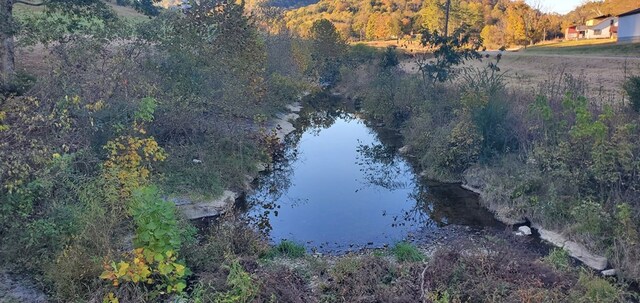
[(603, 47), (407, 252), (559, 259), (286, 248)]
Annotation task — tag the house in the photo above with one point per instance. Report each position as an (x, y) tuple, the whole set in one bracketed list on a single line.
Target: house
[(629, 26), (572, 33), (596, 20), (601, 27), (605, 26)]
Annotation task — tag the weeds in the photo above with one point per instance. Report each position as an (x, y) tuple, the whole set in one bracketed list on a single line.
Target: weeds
[(242, 286), (287, 249), (632, 87), (407, 252), (593, 289), (559, 259)]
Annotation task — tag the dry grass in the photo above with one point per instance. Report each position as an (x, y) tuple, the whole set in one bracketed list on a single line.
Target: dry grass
[(531, 72), (602, 47), (405, 45)]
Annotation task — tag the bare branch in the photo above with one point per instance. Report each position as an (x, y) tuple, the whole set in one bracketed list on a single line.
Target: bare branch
[(29, 3)]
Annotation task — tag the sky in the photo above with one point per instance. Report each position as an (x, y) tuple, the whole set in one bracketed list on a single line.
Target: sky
[(557, 6)]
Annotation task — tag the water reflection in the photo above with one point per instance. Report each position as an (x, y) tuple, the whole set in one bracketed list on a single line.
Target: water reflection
[(341, 185)]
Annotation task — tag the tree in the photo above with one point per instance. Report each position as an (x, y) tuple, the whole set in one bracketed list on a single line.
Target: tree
[(447, 52), (73, 10), (515, 30), (327, 50)]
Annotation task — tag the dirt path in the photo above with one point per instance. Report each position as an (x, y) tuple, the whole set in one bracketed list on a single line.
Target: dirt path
[(602, 76)]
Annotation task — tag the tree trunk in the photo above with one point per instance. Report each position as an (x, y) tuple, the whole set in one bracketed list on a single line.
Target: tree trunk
[(446, 19), (7, 44)]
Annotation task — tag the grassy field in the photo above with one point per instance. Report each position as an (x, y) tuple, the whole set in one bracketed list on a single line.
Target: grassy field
[(596, 47), (603, 47), (406, 45)]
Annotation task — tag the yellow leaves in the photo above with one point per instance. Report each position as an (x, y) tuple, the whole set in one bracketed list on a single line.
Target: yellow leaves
[(122, 269), (147, 267), (180, 269), (111, 298), (129, 159), (3, 115), (95, 107)]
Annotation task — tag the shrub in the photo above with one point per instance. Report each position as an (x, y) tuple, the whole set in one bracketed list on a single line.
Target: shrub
[(590, 218), (156, 223), (559, 259), (632, 87), (407, 252), (158, 241), (288, 249), (389, 58), (243, 288), (19, 85), (593, 289), (228, 238)]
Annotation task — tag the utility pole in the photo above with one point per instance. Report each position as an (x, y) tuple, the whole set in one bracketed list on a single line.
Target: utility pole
[(446, 19)]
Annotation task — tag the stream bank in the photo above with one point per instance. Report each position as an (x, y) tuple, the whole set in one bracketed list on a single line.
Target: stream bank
[(488, 263), (281, 126)]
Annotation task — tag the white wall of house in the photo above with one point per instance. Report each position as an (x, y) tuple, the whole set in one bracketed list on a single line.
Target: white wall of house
[(629, 29), (602, 29)]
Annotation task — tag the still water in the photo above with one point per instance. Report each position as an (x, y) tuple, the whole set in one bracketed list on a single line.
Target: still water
[(342, 185)]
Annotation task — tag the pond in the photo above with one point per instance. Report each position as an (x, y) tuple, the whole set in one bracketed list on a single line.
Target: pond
[(342, 185)]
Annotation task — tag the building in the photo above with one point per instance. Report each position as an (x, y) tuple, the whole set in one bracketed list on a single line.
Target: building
[(629, 27), (596, 20), (572, 33), (601, 27)]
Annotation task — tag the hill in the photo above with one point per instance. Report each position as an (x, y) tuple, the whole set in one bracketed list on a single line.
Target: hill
[(499, 22), (598, 8)]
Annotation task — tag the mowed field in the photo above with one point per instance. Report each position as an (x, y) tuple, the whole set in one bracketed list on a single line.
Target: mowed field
[(601, 69)]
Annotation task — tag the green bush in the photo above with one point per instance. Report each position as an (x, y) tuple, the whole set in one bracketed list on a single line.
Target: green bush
[(19, 85), (156, 223), (590, 218), (243, 288), (632, 87), (559, 259), (407, 252), (288, 249), (592, 289)]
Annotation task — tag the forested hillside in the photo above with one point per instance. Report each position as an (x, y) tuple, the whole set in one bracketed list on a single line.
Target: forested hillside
[(500, 22)]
